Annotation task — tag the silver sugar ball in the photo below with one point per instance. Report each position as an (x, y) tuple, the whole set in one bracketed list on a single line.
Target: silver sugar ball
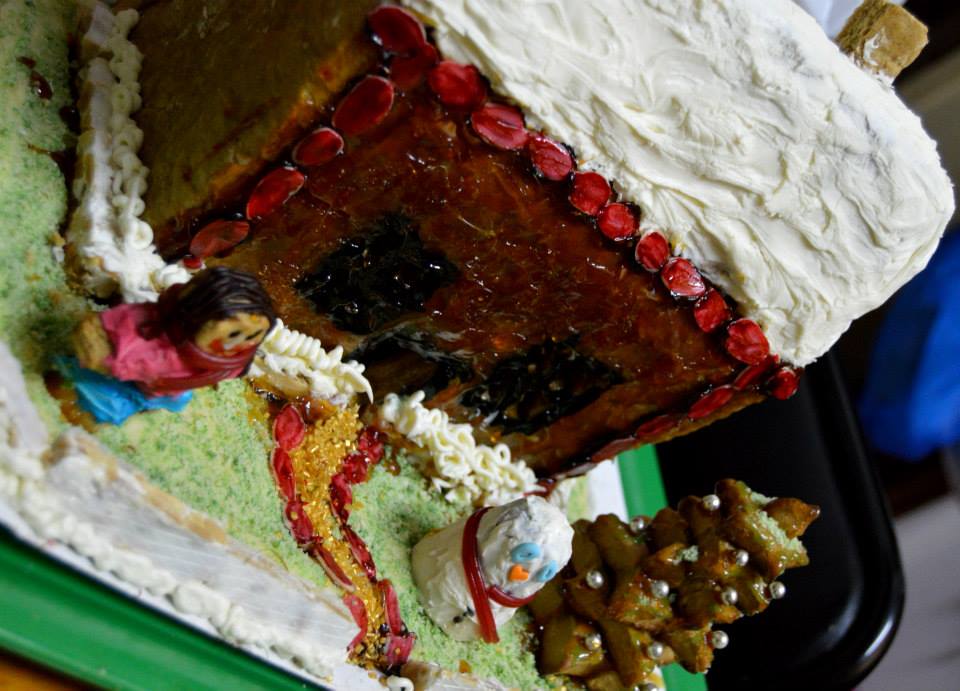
[(638, 524), (719, 639), (777, 590), (655, 650), (741, 557), (648, 686), (660, 588), (711, 502), (593, 641), (595, 579), (729, 596)]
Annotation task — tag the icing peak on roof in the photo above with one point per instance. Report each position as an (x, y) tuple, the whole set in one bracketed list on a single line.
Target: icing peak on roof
[(799, 184)]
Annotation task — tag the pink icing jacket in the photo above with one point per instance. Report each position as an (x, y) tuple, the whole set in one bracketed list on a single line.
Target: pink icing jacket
[(157, 365)]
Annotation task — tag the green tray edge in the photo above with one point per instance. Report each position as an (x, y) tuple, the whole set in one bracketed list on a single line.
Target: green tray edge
[(54, 616), (643, 493), (60, 619)]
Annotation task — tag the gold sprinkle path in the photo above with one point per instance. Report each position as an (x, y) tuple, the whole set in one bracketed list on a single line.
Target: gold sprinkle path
[(318, 458)]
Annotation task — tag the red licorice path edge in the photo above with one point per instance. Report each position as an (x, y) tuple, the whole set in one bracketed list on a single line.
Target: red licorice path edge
[(391, 606), (289, 428), (283, 472), (331, 567), (359, 612), (470, 555), (300, 524), (289, 431)]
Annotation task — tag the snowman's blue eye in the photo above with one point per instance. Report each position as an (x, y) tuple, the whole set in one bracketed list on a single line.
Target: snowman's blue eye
[(525, 552), (546, 572)]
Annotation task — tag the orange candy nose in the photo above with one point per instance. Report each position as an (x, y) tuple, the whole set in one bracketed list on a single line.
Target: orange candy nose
[(518, 573)]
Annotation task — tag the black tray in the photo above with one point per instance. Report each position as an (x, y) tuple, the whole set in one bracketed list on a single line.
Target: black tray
[(841, 612)]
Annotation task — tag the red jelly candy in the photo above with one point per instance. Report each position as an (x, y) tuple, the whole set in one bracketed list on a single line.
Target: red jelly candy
[(784, 383), (500, 126), (711, 311), (745, 342), (710, 402), (359, 612), (300, 524), (407, 71), (752, 374), (365, 107), (590, 192), (652, 251), (341, 496), (283, 471), (396, 30), (552, 160), (617, 221), (217, 237), (288, 428), (273, 191), (331, 567), (682, 278), (458, 86), (319, 147), (656, 426), (391, 606)]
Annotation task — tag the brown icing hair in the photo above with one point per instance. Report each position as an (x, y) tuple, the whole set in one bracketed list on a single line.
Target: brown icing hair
[(211, 295)]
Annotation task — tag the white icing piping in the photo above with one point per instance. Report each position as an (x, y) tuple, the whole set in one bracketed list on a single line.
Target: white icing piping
[(796, 182), (465, 471), (25, 486), (290, 353), (114, 245)]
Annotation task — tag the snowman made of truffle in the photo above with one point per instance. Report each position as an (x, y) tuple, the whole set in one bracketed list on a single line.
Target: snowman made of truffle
[(474, 574)]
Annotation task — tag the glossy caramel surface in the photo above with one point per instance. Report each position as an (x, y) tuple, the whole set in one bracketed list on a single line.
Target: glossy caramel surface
[(530, 269)]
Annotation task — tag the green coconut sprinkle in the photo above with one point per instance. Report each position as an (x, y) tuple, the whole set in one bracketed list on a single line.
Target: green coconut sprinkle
[(392, 513), (214, 456)]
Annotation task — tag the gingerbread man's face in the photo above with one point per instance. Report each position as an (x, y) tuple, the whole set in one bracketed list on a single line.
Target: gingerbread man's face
[(232, 335)]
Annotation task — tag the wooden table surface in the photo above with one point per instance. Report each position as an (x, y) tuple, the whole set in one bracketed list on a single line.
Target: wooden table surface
[(17, 673)]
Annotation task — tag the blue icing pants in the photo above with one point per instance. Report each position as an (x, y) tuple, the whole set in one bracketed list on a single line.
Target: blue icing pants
[(111, 400)]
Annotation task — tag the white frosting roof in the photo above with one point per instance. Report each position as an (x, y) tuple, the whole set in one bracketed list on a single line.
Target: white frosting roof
[(796, 182)]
